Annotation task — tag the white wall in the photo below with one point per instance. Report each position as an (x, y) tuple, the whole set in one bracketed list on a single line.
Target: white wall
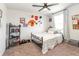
[(3, 30), (14, 15), (74, 34)]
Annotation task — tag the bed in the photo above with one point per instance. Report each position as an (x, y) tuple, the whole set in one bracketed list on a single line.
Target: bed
[(46, 40)]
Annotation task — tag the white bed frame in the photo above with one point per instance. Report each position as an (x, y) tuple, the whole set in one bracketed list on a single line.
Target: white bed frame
[(39, 39)]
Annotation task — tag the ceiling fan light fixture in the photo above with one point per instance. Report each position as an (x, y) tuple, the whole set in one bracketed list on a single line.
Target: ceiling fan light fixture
[(45, 9)]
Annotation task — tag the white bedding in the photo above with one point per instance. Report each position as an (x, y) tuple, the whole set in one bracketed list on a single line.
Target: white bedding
[(50, 40)]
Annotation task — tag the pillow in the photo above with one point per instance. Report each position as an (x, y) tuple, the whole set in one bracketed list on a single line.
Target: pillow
[(51, 29), (51, 32), (55, 32)]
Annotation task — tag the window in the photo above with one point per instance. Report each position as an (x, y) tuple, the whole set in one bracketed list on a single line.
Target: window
[(58, 20)]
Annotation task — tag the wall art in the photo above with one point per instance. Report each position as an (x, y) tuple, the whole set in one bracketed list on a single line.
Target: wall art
[(75, 21), (22, 20)]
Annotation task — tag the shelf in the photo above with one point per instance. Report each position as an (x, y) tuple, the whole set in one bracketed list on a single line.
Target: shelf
[(14, 34)]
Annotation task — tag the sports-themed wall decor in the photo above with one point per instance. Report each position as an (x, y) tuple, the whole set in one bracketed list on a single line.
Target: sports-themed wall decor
[(24, 25), (34, 20), (40, 17), (36, 17), (22, 20), (32, 16), (75, 21), (31, 23)]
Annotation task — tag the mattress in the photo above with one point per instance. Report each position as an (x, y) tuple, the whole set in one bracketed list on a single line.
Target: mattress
[(46, 35)]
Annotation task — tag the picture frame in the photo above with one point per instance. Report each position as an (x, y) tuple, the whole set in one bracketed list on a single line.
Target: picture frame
[(50, 19), (22, 20), (75, 21)]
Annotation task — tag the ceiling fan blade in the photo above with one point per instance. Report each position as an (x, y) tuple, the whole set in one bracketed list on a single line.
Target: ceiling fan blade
[(37, 5), (48, 8), (52, 4), (41, 9)]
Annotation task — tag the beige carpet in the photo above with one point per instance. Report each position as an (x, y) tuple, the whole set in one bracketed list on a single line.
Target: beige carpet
[(31, 49)]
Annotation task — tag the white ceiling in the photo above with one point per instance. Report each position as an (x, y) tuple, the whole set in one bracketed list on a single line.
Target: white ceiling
[(29, 8)]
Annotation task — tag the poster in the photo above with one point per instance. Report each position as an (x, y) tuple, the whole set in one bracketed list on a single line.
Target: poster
[(22, 20), (75, 21)]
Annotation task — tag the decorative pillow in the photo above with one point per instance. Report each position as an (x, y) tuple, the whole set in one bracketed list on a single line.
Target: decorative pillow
[(51, 32), (51, 29), (55, 32)]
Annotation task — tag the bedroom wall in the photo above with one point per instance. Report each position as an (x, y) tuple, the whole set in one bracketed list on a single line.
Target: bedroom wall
[(74, 34), (3, 29), (14, 15)]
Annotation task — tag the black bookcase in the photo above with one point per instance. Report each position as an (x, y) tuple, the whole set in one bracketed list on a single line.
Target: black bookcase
[(14, 34)]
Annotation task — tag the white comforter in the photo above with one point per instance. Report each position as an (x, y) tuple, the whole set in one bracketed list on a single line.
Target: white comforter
[(50, 40)]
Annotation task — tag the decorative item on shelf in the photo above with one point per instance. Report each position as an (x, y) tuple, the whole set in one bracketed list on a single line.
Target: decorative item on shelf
[(75, 21), (12, 30), (17, 30), (12, 36), (19, 25), (17, 37)]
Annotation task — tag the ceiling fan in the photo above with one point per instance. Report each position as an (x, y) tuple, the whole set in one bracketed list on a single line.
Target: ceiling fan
[(45, 6)]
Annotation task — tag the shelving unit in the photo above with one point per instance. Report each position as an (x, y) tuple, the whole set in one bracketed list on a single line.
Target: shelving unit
[(14, 34)]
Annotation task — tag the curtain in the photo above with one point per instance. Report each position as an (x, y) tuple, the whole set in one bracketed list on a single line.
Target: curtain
[(66, 25)]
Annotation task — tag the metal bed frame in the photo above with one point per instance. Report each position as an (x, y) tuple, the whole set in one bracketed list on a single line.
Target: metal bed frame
[(36, 37), (40, 39)]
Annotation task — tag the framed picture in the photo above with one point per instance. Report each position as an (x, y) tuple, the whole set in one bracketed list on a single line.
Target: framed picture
[(50, 19), (36, 17), (22, 20), (1, 13), (75, 21)]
